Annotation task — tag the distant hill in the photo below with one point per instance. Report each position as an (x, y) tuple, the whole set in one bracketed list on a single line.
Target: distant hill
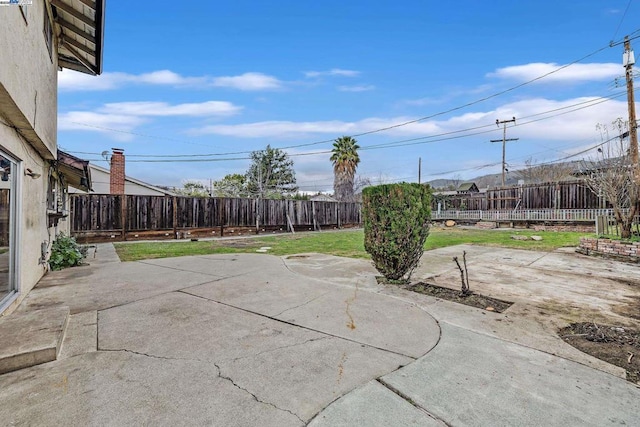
[(535, 173)]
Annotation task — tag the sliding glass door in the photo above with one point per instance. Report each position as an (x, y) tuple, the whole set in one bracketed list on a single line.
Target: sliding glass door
[(8, 250)]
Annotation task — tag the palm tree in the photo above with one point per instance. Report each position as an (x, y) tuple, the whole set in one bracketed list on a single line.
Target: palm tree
[(345, 159)]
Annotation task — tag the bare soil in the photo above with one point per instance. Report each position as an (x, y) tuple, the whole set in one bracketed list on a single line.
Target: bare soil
[(240, 243), (617, 345), (631, 309), (473, 299)]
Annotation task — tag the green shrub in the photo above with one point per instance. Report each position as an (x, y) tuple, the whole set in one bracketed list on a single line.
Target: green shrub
[(65, 252), (396, 225)]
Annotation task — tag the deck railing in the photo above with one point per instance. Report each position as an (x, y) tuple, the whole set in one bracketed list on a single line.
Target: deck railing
[(524, 215)]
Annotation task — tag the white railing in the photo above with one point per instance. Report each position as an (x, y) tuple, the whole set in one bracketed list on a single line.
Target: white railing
[(524, 215)]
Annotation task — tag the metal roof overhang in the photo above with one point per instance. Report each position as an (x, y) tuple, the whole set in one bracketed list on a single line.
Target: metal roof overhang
[(75, 170), (80, 35)]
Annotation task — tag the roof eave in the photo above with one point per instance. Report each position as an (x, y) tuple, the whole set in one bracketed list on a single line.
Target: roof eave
[(68, 54), (75, 170)]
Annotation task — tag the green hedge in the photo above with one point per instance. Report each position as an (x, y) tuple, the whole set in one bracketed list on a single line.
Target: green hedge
[(396, 225)]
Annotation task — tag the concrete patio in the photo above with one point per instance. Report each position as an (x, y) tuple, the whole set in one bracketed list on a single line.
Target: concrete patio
[(313, 339)]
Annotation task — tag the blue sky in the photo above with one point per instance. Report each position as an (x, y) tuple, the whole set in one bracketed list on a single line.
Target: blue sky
[(199, 78)]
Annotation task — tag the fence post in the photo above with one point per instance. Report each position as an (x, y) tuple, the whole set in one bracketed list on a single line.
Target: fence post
[(313, 216), (257, 216), (123, 213), (174, 218), (290, 225)]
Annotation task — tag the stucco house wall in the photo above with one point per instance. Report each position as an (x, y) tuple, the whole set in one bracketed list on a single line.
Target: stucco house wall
[(28, 75), (28, 119), (30, 56)]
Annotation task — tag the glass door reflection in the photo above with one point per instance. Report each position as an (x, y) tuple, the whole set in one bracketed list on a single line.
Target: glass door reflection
[(7, 225)]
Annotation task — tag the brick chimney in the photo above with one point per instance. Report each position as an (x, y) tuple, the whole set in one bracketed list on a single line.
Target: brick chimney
[(117, 172)]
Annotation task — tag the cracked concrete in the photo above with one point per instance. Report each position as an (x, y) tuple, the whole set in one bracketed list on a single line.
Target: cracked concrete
[(258, 340), (254, 396)]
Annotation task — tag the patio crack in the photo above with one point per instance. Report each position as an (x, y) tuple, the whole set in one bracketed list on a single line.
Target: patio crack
[(537, 259), (153, 356), (409, 400), (301, 305), (239, 387), (307, 328), (180, 269), (281, 348)]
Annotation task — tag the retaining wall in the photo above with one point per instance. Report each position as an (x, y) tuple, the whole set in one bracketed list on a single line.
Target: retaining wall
[(607, 248)]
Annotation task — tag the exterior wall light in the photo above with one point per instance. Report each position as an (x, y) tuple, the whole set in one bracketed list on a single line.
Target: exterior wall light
[(32, 174)]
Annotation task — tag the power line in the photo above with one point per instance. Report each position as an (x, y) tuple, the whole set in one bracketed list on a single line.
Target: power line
[(621, 20), (404, 142), (478, 101)]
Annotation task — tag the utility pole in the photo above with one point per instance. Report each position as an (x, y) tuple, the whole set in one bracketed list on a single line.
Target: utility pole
[(627, 61), (419, 169), (504, 143)]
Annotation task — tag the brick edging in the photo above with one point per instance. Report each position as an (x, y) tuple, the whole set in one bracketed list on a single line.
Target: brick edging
[(608, 248)]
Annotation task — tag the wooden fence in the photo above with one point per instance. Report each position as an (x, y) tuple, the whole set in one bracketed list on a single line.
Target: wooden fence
[(606, 225), (98, 216), (563, 195)]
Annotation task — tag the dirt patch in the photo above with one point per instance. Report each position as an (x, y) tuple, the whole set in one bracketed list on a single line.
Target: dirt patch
[(298, 256), (473, 299), (617, 345), (242, 243), (631, 309)]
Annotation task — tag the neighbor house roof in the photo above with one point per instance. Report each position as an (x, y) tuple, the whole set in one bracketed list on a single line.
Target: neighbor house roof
[(468, 187), (81, 34), (128, 179)]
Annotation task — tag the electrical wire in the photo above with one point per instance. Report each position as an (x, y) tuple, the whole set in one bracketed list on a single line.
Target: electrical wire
[(621, 20), (399, 143), (395, 126)]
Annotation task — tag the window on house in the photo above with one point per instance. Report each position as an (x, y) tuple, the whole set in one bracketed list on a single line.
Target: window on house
[(62, 195), (48, 33), (51, 193)]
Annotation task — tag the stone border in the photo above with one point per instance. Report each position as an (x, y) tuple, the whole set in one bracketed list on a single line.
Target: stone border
[(613, 249)]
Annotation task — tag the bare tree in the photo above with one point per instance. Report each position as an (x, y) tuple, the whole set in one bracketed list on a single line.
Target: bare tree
[(534, 173), (612, 175), (455, 180), (360, 183), (464, 275), (192, 189)]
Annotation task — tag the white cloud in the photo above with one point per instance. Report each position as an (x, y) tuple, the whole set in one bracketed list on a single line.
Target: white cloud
[(114, 124), (357, 88), (74, 81), (273, 129), (576, 73), (578, 125), (167, 77), (119, 118), (421, 102), (69, 81), (296, 129), (248, 81), (332, 72), (571, 127), (209, 108)]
